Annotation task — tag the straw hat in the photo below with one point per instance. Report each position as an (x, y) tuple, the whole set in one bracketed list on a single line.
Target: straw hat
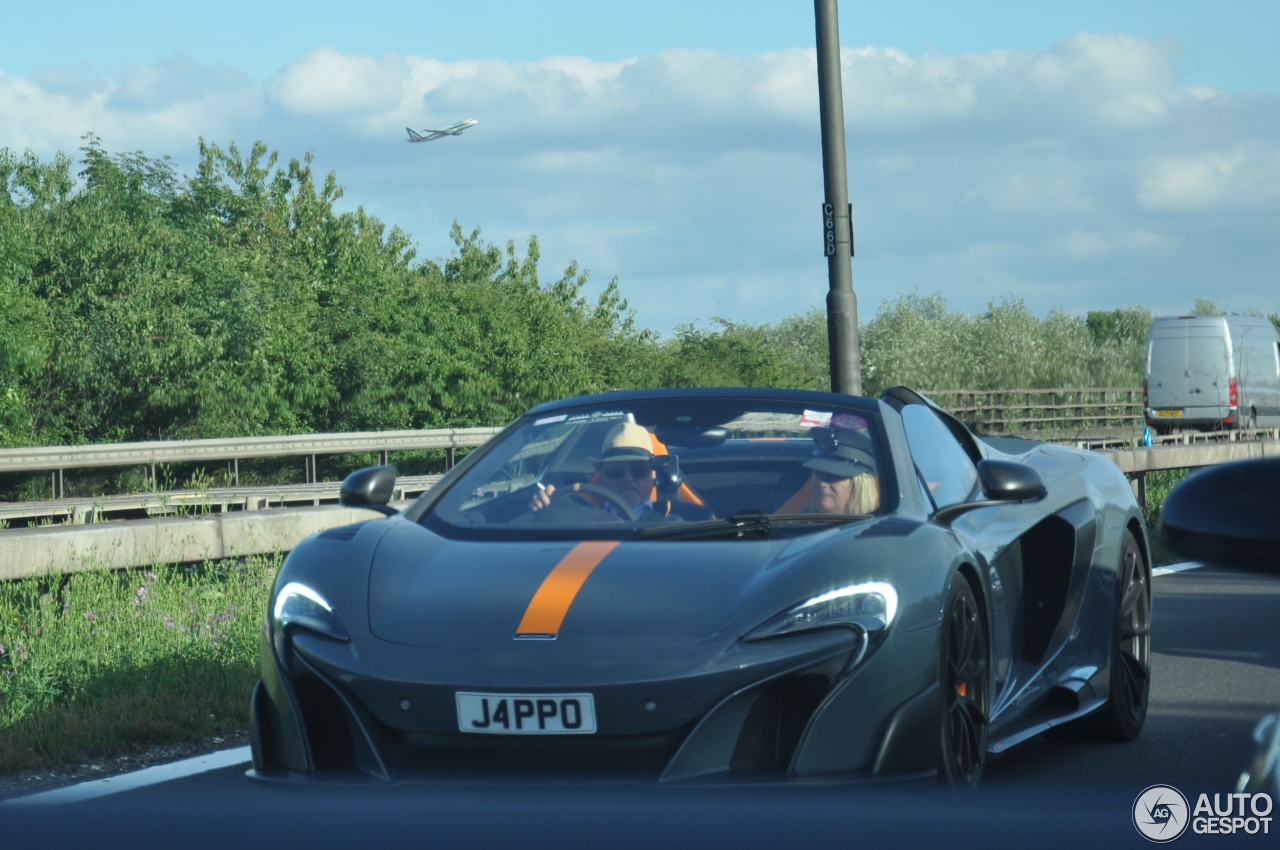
[(626, 441)]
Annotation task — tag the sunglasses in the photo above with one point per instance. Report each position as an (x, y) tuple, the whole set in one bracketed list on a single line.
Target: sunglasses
[(637, 469), (828, 477)]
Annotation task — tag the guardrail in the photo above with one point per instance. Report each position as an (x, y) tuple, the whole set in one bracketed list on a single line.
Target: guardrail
[(213, 527), (176, 539), (81, 511), (1076, 410), (232, 450)]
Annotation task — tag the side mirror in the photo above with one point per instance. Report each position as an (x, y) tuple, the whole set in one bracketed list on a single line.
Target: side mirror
[(1003, 482), (1006, 481), (370, 487), (1228, 514)]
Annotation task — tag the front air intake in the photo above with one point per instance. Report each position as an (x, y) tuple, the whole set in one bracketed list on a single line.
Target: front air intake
[(777, 720)]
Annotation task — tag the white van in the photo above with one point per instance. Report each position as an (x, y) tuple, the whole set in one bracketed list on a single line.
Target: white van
[(1210, 372)]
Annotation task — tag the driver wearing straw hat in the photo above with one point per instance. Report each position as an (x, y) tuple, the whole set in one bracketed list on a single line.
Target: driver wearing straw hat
[(623, 467)]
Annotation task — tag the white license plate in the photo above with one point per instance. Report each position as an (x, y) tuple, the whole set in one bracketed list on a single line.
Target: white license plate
[(526, 714)]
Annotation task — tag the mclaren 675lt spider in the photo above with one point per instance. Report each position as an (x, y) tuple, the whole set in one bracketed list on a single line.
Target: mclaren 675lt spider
[(707, 585)]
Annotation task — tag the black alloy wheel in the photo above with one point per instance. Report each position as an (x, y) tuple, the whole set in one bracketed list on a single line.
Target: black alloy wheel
[(965, 676), (1122, 717)]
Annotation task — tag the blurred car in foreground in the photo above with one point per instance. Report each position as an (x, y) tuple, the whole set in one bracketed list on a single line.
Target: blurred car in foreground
[(1230, 515), (705, 585)]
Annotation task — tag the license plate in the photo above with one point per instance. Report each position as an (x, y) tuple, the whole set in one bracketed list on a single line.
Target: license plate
[(1168, 413), (526, 714)]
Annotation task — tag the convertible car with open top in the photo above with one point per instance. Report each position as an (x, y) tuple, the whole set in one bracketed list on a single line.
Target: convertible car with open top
[(706, 585)]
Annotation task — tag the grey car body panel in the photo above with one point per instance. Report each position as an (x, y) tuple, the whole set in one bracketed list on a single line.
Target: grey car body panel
[(657, 633)]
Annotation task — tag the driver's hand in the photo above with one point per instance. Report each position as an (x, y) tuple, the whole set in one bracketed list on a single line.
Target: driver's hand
[(542, 498)]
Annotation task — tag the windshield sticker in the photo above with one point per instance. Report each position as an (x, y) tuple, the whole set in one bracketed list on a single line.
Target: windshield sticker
[(815, 419), (598, 416), (848, 422), (548, 420)]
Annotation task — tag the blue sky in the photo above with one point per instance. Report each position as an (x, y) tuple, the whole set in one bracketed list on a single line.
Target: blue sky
[(1083, 156), (1226, 40)]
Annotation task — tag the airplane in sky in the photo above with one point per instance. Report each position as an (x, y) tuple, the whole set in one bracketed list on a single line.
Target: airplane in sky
[(432, 135)]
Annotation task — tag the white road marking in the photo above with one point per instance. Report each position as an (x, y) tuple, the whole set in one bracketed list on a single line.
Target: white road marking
[(139, 779), (1175, 568)]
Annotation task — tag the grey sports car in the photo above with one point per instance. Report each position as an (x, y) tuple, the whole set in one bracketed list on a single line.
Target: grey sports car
[(705, 585)]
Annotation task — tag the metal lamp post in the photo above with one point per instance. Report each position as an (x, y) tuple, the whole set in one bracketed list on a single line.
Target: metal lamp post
[(842, 304)]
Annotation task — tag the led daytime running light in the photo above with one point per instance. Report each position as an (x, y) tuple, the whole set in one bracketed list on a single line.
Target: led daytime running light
[(869, 606), (300, 605), (881, 588)]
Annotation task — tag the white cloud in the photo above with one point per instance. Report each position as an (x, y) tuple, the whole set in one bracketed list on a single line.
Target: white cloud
[(328, 82), (1244, 177), (1087, 176), (160, 108)]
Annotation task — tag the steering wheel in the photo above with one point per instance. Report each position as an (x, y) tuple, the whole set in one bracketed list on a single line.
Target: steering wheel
[(609, 496)]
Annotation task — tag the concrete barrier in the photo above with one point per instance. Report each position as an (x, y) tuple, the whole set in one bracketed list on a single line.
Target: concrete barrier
[(58, 549), (1133, 461)]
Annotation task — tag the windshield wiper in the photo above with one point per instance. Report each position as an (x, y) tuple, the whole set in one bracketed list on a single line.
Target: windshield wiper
[(739, 525)]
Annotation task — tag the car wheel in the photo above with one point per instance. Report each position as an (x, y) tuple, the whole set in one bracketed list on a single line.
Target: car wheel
[(965, 676), (1122, 716)]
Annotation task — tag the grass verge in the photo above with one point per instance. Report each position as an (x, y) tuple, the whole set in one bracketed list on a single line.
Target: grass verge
[(1159, 483), (107, 661)]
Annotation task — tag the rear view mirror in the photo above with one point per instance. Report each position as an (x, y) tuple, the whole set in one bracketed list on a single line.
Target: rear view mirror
[(691, 436)]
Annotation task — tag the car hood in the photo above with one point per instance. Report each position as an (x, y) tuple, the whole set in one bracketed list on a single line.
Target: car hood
[(425, 590)]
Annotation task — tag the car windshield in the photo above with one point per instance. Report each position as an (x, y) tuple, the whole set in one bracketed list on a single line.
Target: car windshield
[(622, 470)]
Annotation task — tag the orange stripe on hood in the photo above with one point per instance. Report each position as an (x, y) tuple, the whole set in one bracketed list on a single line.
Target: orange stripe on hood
[(549, 605)]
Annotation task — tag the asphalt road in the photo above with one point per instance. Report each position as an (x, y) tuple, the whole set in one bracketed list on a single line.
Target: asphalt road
[(1216, 671)]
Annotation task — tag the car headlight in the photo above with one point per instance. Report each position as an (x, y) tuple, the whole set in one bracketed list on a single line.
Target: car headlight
[(869, 606), (297, 604)]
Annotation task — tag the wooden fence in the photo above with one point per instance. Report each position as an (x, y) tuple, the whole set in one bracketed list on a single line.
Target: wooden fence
[(1084, 411)]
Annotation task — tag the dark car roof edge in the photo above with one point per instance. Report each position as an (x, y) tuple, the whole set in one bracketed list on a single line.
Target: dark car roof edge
[(615, 396)]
